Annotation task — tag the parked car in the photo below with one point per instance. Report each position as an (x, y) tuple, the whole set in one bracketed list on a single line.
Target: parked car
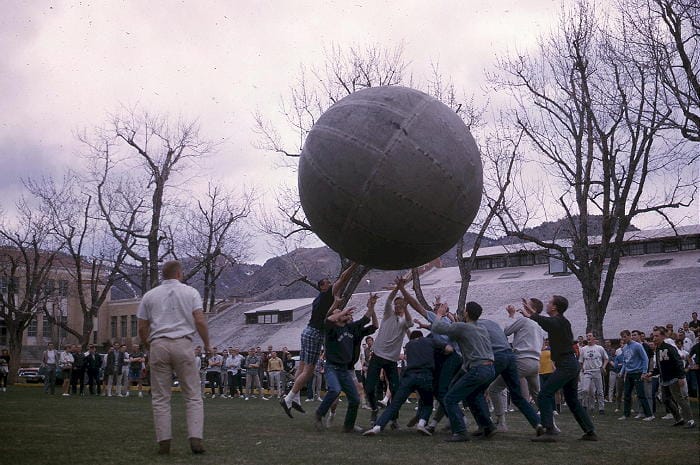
[(30, 375)]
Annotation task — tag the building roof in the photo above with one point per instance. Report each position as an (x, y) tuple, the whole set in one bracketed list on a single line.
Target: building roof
[(630, 236)]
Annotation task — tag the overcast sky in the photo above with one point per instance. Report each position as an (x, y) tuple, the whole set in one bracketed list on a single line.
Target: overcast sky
[(64, 65)]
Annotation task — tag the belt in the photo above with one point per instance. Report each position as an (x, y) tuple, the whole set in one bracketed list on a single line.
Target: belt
[(481, 363)]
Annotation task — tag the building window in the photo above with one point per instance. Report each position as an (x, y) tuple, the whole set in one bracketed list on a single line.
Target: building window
[(636, 249), (7, 284), (134, 326), (654, 247), (45, 327), (3, 333), (689, 243), (32, 329), (113, 327), (268, 318), (49, 286), (63, 288), (123, 325)]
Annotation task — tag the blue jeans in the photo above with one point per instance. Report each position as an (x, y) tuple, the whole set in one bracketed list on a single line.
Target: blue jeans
[(634, 381), (565, 377), (337, 379), (411, 381), (506, 365), (467, 388)]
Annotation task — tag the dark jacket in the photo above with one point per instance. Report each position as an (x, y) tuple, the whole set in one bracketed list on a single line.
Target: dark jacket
[(669, 364)]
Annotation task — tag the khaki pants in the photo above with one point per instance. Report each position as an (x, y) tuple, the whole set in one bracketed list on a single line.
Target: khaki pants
[(528, 372), (166, 356)]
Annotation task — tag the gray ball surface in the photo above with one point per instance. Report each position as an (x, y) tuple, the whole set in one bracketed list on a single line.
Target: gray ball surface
[(390, 177)]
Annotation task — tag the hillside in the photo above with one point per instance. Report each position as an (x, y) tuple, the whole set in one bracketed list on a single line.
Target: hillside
[(278, 278)]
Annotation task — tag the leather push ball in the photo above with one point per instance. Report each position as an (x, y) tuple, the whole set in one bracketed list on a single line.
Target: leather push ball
[(390, 177)]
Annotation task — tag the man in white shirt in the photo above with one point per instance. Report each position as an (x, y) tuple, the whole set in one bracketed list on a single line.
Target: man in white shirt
[(593, 360), (168, 317), (49, 360)]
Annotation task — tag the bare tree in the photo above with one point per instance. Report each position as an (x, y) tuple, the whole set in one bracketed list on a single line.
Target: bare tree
[(666, 34), (214, 238), (139, 161), (28, 255), (94, 258), (595, 121)]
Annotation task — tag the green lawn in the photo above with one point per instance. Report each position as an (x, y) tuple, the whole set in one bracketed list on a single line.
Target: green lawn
[(39, 429)]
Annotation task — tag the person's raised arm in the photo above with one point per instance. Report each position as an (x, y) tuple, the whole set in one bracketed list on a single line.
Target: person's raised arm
[(371, 313), (410, 299), (388, 305), (342, 281)]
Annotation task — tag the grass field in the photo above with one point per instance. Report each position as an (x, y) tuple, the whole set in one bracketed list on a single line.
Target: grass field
[(40, 429)]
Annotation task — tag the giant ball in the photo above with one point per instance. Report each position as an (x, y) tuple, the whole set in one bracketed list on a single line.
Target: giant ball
[(390, 177)]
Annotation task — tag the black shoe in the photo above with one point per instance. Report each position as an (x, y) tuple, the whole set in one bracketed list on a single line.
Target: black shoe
[(164, 447), (393, 424), (196, 446), (354, 429), (547, 437), (601, 412), (589, 436), (297, 406), (489, 432), (318, 424), (286, 408), (540, 430), (459, 437), (373, 417), (412, 422), (431, 429), (679, 423)]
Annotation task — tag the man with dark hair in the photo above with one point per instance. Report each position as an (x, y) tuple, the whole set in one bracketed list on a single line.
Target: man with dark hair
[(342, 342), (417, 376), (565, 376), (477, 365), (168, 317), (635, 363), (312, 338), (669, 367), (93, 362)]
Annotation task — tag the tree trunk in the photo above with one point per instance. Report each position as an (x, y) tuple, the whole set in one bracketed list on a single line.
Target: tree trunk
[(15, 347), (594, 312)]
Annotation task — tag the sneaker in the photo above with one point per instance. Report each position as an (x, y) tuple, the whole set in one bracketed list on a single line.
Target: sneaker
[(589, 436), (373, 431), (265, 398), (651, 418), (140, 394), (617, 410), (622, 418), (213, 396), (423, 430), (329, 419), (668, 416), (638, 416), (309, 400), (66, 395), (690, 424), (246, 398)]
